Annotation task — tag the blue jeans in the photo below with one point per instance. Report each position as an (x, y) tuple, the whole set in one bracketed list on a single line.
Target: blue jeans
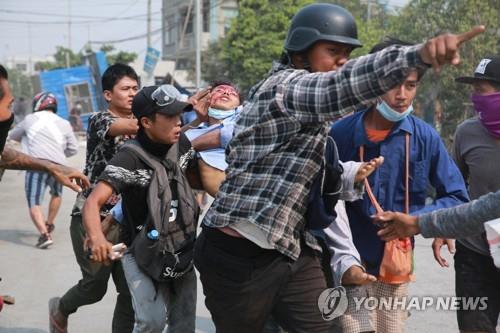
[(158, 304)]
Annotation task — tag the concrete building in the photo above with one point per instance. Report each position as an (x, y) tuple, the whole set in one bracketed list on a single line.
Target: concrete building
[(25, 64), (163, 73), (216, 18)]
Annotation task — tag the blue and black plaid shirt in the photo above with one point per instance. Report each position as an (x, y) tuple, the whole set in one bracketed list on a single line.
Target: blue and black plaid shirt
[(279, 141)]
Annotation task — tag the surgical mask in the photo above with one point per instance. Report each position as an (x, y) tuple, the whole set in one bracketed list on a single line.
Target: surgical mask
[(391, 115), (488, 109), (220, 114)]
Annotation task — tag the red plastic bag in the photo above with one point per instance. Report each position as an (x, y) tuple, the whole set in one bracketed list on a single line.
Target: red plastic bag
[(397, 262)]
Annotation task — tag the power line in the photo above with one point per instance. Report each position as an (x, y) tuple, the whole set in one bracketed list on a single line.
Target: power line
[(95, 19), (154, 32), (37, 13)]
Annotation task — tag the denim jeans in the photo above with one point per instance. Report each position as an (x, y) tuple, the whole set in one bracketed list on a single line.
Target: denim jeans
[(158, 304)]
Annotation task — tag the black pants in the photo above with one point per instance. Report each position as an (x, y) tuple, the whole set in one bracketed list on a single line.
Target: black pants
[(94, 283), (245, 284), (477, 276)]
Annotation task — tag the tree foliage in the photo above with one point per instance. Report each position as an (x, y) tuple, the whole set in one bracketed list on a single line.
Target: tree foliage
[(256, 38), (64, 57), (114, 57)]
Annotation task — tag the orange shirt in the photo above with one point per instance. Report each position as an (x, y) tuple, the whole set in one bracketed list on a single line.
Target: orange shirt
[(377, 135)]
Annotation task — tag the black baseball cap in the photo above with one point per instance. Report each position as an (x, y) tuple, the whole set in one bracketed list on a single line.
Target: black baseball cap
[(488, 69), (158, 99)]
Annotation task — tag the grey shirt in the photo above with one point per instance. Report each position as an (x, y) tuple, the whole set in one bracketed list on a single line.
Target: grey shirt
[(477, 155), (461, 221)]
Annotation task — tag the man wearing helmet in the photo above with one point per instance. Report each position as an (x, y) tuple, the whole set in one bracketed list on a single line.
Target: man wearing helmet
[(15, 160), (254, 255), (47, 136)]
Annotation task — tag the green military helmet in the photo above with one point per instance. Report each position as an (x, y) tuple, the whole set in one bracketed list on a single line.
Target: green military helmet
[(321, 22)]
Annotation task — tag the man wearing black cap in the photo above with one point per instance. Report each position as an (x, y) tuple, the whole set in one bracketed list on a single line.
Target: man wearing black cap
[(476, 150), (132, 175)]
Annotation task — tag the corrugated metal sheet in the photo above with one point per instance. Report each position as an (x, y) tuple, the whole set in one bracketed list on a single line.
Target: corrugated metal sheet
[(55, 81)]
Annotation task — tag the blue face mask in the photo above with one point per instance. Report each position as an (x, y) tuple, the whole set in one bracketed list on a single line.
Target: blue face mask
[(220, 114), (388, 113)]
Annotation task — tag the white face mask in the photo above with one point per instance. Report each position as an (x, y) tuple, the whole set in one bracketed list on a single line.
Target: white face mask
[(220, 114), (391, 115)]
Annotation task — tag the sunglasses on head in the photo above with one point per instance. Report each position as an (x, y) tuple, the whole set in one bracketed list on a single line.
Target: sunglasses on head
[(165, 95)]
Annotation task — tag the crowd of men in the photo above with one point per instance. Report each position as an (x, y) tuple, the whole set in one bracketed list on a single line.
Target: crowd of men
[(304, 200)]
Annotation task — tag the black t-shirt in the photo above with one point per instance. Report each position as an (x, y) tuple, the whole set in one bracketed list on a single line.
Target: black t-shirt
[(4, 131), (100, 149), (130, 177)]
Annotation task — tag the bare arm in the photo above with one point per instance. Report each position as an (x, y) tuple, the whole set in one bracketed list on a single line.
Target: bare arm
[(13, 159), (92, 221), (207, 141), (200, 102), (122, 126), (193, 124)]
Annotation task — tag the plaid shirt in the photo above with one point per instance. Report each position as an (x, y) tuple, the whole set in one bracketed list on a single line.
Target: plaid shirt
[(280, 138)]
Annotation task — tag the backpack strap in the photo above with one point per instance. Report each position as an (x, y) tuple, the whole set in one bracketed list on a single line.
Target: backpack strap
[(159, 184)]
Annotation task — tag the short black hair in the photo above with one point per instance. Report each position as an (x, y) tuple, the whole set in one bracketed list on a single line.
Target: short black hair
[(3, 73), (115, 73), (391, 41), (226, 82)]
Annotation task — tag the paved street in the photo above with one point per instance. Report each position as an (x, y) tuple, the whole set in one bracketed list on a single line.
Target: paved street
[(33, 275)]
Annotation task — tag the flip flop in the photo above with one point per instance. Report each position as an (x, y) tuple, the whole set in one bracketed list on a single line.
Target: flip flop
[(54, 325)]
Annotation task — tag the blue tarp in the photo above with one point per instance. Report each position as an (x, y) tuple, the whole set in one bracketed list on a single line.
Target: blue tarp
[(55, 81)]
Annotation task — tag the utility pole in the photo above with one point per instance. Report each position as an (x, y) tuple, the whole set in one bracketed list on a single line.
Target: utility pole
[(149, 76), (198, 43), (149, 24), (69, 24), (89, 43), (30, 60), (69, 35)]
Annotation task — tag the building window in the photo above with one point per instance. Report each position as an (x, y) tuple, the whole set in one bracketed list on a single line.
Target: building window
[(190, 25), (79, 93), (22, 67), (169, 30), (206, 15)]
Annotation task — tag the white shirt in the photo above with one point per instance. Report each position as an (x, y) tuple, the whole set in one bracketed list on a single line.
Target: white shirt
[(47, 136)]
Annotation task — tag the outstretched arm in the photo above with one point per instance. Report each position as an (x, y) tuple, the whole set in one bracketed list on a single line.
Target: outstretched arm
[(320, 97), (455, 222), (13, 159)]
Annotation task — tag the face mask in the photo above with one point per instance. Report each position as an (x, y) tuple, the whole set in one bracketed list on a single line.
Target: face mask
[(488, 109), (220, 114), (388, 113)]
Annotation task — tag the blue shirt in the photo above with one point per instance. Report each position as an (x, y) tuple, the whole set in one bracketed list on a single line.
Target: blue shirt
[(215, 157), (430, 163)]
